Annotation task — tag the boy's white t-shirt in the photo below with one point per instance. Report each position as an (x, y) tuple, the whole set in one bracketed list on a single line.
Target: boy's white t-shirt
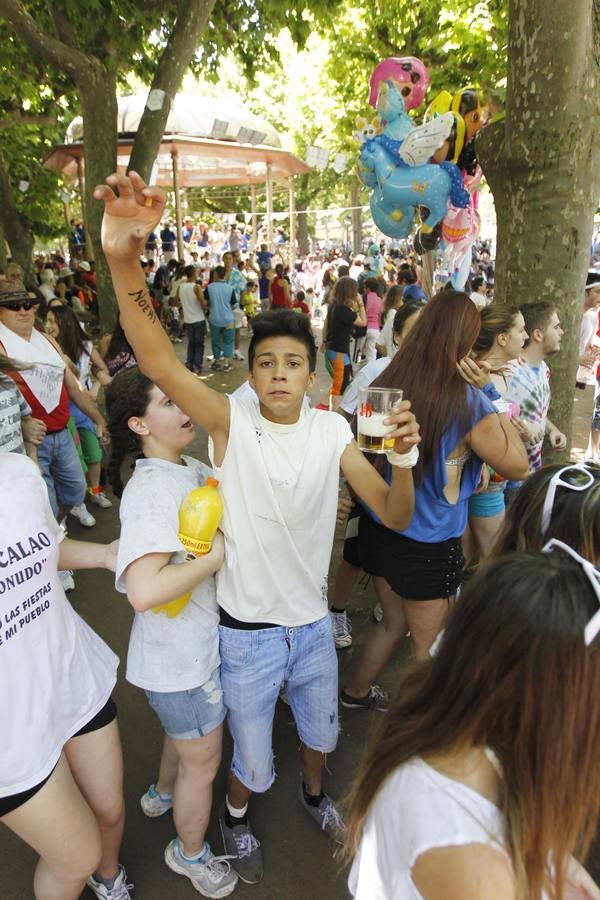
[(166, 654), (280, 491), (56, 674)]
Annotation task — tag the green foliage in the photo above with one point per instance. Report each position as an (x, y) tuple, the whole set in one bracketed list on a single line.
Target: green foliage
[(34, 111), (462, 43)]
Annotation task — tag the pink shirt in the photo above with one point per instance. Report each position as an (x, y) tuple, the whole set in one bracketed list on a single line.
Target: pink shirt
[(373, 308)]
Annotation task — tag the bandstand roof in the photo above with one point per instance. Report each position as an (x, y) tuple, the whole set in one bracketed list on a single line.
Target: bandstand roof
[(202, 162), (215, 144)]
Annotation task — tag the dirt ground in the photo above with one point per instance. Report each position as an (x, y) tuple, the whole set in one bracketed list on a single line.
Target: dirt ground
[(299, 860)]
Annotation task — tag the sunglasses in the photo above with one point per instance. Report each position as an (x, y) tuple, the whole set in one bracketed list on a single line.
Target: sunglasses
[(16, 305), (593, 575), (574, 478)]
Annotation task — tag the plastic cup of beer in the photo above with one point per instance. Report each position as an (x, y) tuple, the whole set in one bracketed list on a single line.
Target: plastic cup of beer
[(375, 405)]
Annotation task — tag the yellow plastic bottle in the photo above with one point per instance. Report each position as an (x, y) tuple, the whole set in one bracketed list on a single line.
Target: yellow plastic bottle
[(199, 517)]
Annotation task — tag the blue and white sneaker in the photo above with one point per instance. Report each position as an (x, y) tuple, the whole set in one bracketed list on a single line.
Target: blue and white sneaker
[(211, 875), (154, 804)]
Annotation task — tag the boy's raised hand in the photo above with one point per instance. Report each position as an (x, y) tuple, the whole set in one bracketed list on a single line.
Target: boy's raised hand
[(131, 211)]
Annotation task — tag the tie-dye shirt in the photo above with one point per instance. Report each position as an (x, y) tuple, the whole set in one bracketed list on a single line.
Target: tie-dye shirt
[(529, 386)]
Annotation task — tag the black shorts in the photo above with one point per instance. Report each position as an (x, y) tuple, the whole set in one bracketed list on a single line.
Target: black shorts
[(413, 569), (350, 551), (102, 718)]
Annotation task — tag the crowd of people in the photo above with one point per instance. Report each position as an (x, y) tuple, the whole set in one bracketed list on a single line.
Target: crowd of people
[(482, 779)]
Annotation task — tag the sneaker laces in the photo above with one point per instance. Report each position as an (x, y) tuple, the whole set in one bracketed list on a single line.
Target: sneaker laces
[(245, 844), (341, 623), (120, 891), (217, 867), (377, 692), (332, 818)]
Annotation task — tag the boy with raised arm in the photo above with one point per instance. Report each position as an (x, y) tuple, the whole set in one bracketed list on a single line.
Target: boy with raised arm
[(278, 467)]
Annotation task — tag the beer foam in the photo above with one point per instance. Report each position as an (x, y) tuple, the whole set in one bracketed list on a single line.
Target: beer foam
[(373, 426)]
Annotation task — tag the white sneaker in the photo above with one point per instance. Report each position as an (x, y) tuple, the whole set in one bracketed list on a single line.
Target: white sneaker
[(99, 499), (83, 515), (213, 877), (154, 804), (119, 890), (341, 629), (66, 579), (238, 355)]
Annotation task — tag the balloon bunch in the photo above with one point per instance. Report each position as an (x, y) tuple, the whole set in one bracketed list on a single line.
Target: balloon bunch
[(427, 172)]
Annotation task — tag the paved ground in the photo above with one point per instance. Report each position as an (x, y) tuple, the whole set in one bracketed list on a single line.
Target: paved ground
[(299, 861)]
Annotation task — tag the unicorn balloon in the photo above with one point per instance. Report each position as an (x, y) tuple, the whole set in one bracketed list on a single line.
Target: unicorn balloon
[(395, 163), (400, 189)]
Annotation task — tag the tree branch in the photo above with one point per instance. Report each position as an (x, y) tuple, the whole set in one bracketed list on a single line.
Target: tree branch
[(54, 51), (62, 24), (19, 117), (184, 38)]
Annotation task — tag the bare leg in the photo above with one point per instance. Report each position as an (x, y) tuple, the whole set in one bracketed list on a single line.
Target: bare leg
[(313, 763), (192, 796), (346, 578), (93, 474), (469, 545), (237, 793), (169, 763), (59, 825), (425, 619), (96, 761), (485, 531), (593, 448), (381, 643)]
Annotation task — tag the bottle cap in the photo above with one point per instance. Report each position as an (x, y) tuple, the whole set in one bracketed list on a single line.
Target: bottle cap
[(212, 482)]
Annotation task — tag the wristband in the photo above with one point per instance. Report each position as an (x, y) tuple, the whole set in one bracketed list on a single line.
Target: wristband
[(404, 460), (491, 392)]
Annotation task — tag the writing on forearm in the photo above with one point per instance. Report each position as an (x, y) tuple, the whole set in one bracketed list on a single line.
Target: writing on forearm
[(145, 304)]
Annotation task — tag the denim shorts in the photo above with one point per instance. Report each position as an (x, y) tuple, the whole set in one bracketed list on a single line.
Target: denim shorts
[(185, 715), (254, 666), (61, 470), (596, 413), (486, 504)]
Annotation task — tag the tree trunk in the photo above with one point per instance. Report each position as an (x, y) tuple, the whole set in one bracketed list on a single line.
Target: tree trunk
[(15, 227), (356, 216), (100, 153), (191, 22), (303, 199), (542, 163), (3, 256)]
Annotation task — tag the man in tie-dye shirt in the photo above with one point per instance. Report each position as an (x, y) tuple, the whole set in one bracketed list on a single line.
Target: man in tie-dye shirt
[(529, 379)]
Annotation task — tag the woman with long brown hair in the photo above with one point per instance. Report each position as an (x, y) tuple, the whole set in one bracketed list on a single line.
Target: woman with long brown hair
[(484, 777), (500, 341), (346, 312), (392, 302), (460, 429)]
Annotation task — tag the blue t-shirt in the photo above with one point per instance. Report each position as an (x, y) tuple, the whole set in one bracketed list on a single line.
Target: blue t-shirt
[(435, 519), (263, 258), (168, 239), (220, 297)]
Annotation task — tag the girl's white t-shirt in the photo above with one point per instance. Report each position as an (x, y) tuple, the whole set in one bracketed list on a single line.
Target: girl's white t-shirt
[(55, 672), (166, 654), (418, 809)]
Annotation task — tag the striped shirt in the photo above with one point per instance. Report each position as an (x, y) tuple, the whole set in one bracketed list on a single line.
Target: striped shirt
[(13, 407)]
